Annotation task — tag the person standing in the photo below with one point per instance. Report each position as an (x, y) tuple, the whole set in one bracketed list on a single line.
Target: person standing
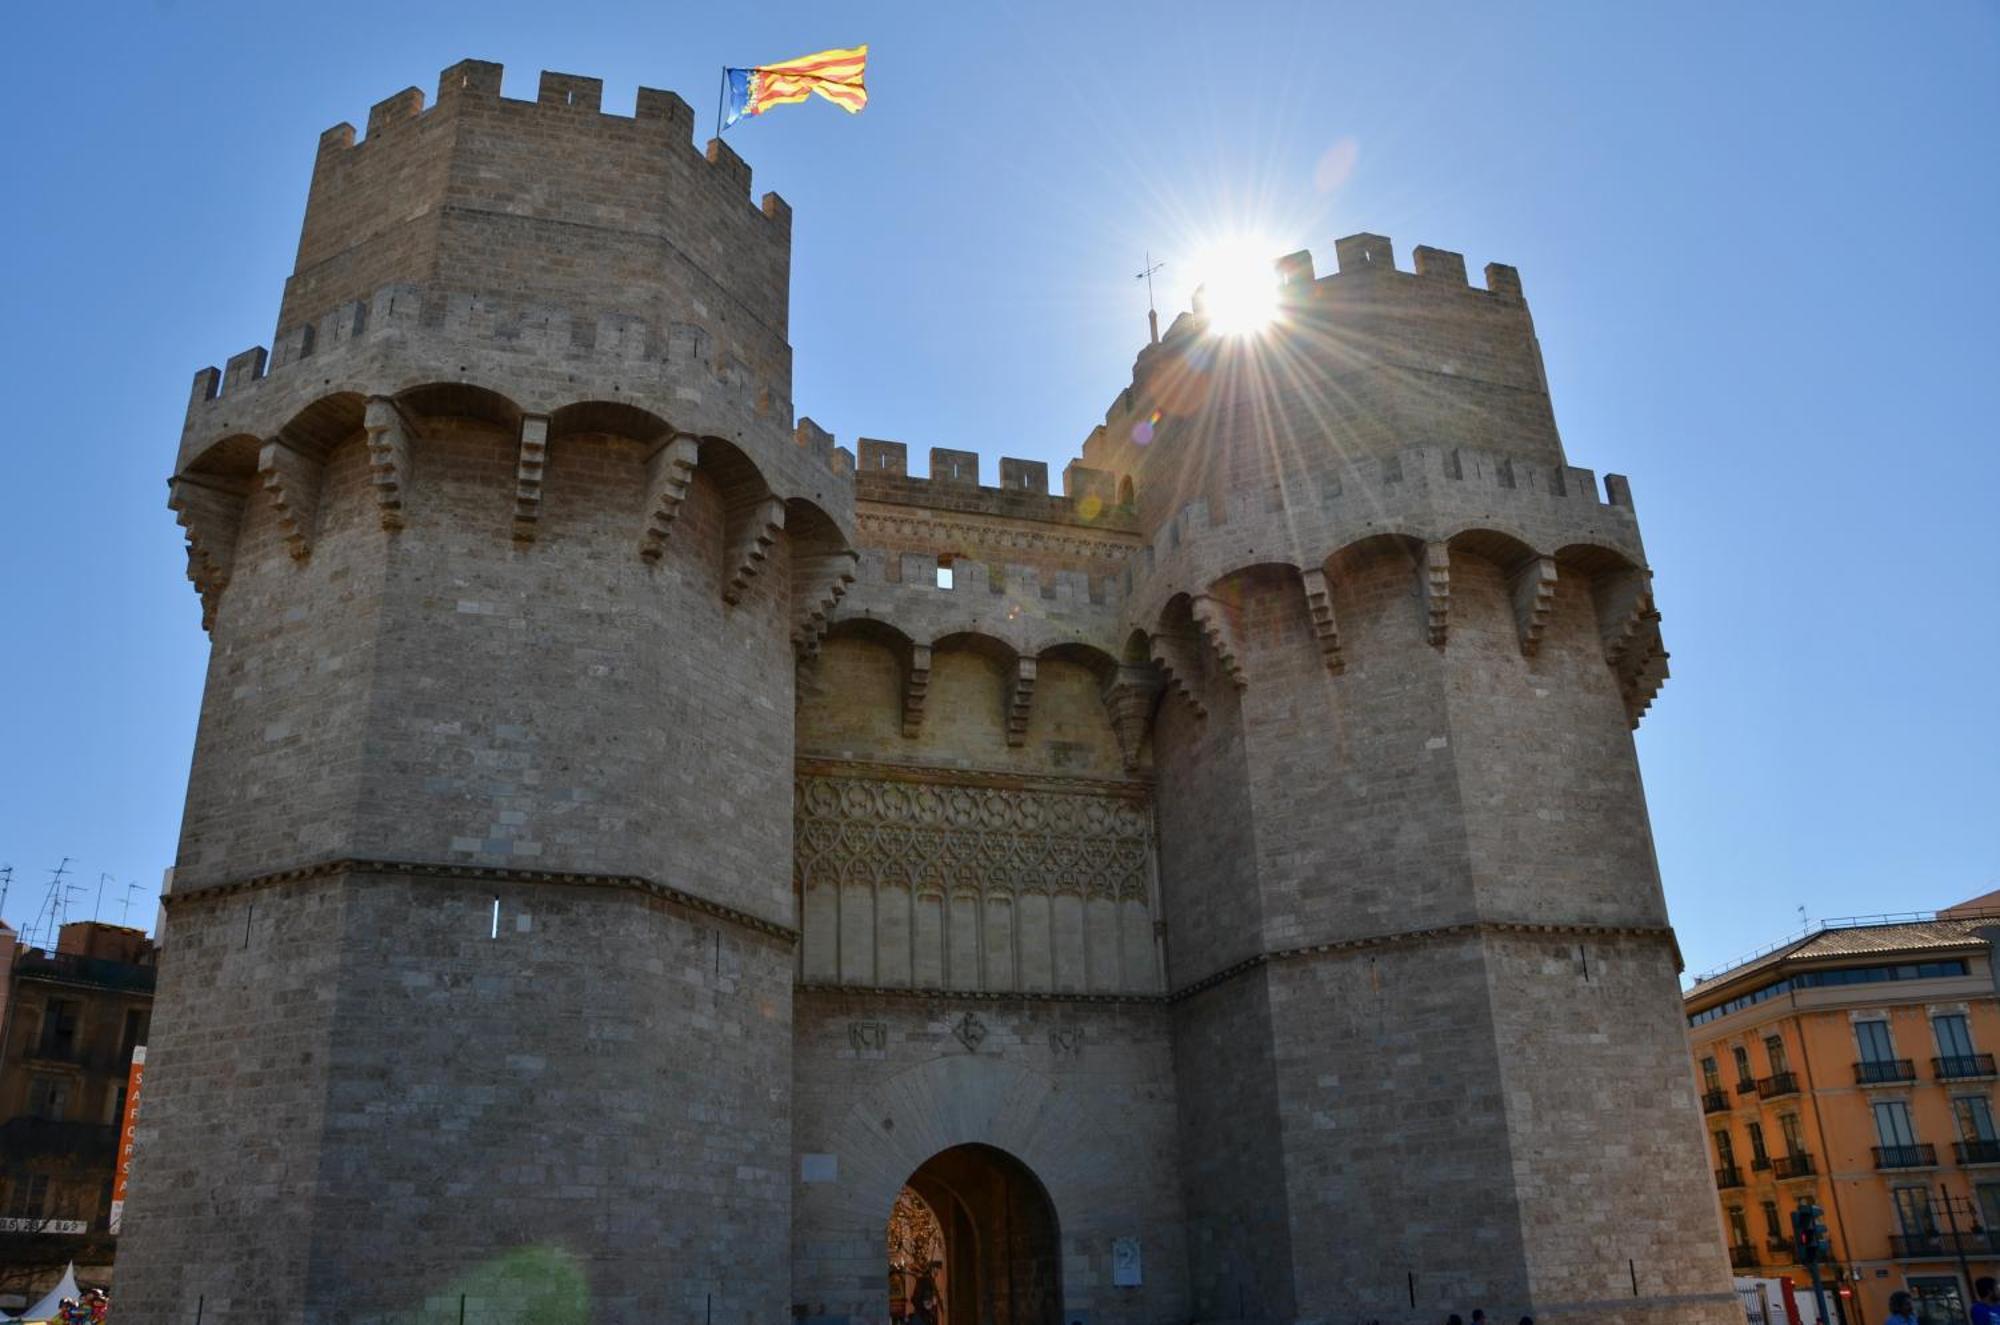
[(1900, 1312), (1985, 1301)]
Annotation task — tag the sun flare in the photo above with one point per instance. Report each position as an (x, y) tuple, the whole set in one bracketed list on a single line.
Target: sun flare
[(1239, 283)]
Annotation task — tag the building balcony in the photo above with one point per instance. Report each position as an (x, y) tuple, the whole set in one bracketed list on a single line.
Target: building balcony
[(1729, 1176), (1714, 1101), (1917, 1246), (1965, 1067), (1977, 1152), (1937, 1244), (1884, 1072), (68, 968), (1776, 1085), (1743, 1258), (1780, 1250), (1793, 1166), (1906, 1157), (24, 1137), (1746, 1086), (1760, 1163)]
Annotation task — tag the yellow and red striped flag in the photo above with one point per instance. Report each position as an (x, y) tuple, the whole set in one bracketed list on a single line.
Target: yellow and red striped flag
[(837, 75)]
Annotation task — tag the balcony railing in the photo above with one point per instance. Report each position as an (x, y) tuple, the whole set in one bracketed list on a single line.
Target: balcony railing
[(1937, 1243), (1743, 1258), (1714, 1101), (1778, 1083), (1906, 1157), (1760, 1163), (1884, 1071), (1780, 1248), (74, 969), (1908, 1246), (1746, 1085), (1977, 1152), (1793, 1166), (1962, 1067), (1729, 1176)]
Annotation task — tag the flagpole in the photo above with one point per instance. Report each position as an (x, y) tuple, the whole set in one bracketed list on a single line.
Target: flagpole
[(721, 89)]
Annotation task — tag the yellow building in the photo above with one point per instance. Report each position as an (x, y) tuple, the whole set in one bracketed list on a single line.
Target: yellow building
[(1855, 1066)]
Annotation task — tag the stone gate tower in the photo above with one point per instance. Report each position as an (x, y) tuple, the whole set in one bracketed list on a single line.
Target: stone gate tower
[(631, 843)]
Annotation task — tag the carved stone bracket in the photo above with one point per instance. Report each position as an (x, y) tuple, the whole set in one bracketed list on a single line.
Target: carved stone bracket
[(1534, 590), (818, 582), (1319, 605), (668, 473), (1218, 626), (1643, 670), (211, 515), (291, 481), (916, 686), (1128, 698), (1020, 698), (388, 457), (1437, 593), (752, 531), (1624, 606), (528, 476), (1179, 660)]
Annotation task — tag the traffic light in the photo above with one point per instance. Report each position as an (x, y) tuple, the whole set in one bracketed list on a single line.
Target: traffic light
[(1810, 1243)]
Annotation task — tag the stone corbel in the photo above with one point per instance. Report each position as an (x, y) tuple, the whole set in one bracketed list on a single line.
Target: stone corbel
[(291, 481), (1319, 605), (1128, 699), (916, 685), (1020, 699), (211, 515), (388, 457), (1218, 626), (1624, 606), (1534, 591), (1643, 669), (669, 471), (752, 531), (528, 471), (1178, 658), (818, 583), (1437, 593)]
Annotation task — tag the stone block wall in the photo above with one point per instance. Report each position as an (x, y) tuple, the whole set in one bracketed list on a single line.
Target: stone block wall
[(1078, 1092), (379, 1090)]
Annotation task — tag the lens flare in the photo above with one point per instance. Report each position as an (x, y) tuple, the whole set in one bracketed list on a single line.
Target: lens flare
[(1143, 430), (1239, 283)]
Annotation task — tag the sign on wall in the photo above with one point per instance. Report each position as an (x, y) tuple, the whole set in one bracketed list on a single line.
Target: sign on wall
[(125, 1123)]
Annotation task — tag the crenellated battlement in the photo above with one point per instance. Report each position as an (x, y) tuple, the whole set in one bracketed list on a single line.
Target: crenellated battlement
[(1090, 497), (1427, 493), (540, 359), (1366, 359), (472, 192)]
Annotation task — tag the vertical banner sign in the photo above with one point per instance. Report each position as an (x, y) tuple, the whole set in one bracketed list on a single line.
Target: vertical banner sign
[(125, 1136)]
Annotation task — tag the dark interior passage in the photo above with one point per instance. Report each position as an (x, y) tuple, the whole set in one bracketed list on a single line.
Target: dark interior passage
[(987, 1218)]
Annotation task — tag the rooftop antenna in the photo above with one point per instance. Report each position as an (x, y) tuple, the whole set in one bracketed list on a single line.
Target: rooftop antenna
[(6, 882), (125, 911), (1152, 311), (97, 912), (51, 904)]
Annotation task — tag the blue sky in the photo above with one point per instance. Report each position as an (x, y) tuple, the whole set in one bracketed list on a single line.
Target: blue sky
[(1759, 242)]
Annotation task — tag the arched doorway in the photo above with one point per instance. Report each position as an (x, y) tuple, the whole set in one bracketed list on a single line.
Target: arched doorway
[(986, 1216)]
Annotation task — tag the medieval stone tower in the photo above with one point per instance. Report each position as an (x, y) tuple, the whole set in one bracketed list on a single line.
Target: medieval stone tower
[(632, 843)]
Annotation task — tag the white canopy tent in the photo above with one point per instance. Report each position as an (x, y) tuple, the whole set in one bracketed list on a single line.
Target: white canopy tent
[(46, 1308)]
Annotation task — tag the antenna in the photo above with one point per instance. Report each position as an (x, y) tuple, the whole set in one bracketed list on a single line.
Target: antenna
[(1152, 312), (125, 907), (6, 882), (51, 903), (97, 912)]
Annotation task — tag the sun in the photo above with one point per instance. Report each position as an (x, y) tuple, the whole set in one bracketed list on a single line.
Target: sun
[(1239, 282)]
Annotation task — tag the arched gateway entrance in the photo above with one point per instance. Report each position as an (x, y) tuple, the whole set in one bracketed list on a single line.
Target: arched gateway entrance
[(987, 1218)]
